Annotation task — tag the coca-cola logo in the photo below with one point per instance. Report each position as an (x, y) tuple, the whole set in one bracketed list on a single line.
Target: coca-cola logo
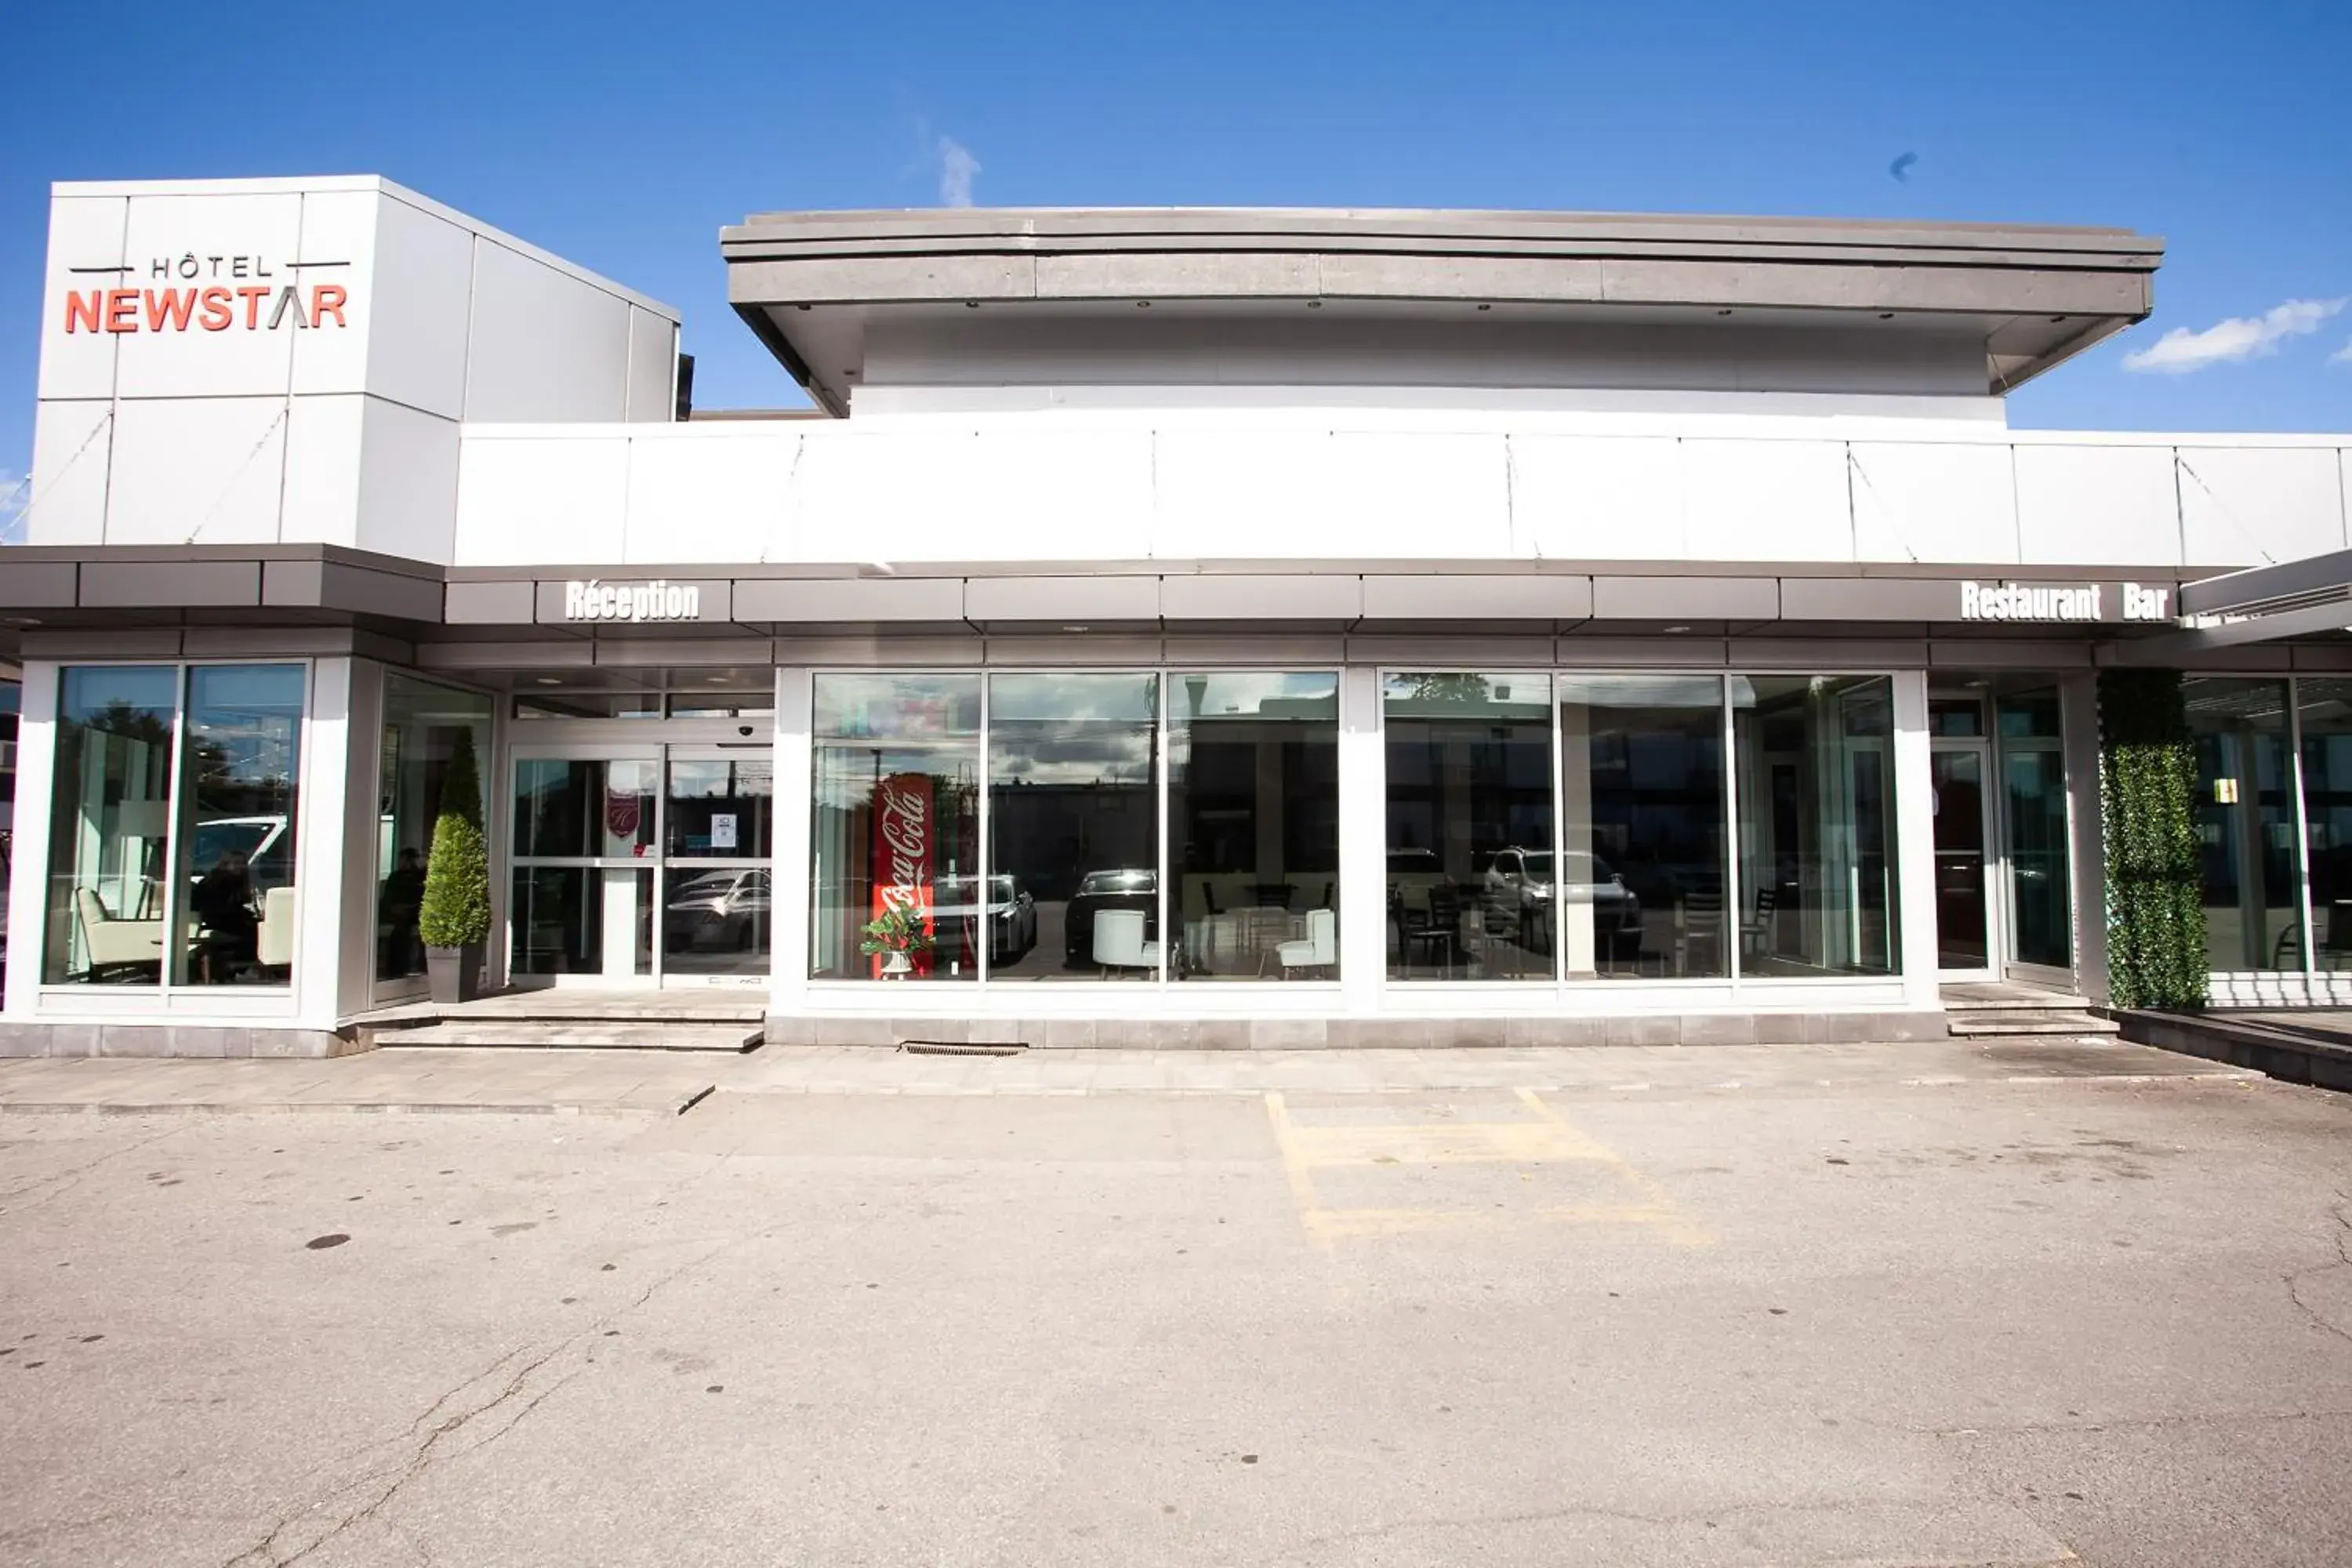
[(903, 827)]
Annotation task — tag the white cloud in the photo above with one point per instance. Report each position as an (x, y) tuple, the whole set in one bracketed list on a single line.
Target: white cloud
[(2180, 351), (957, 166), (2342, 355)]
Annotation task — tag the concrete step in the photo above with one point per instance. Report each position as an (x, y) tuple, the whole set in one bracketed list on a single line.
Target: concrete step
[(1973, 1001), (579, 1034), (1972, 1023)]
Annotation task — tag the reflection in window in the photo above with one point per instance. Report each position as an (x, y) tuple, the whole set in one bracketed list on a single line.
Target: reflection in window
[(238, 825), (1816, 801), (1469, 826), (1642, 801), (895, 824), (109, 824), (2325, 710), (422, 722), (1253, 813), (2245, 822), (1074, 820)]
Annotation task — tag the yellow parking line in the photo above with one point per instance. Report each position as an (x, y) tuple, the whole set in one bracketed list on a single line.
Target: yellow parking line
[(1689, 1231), (1293, 1168)]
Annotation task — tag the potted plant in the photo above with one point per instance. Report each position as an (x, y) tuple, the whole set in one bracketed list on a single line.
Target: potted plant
[(896, 935), (454, 917)]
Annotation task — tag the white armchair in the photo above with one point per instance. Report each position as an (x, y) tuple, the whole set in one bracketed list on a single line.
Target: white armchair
[(1119, 941), (113, 943), (273, 940), (1320, 949)]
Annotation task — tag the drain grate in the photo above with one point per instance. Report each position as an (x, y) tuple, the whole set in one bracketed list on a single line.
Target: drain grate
[(961, 1049)]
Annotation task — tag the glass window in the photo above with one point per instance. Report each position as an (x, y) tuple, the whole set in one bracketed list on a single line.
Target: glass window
[(2245, 822), (896, 824), (581, 919), (1074, 820), (589, 705), (1470, 782), (1642, 881), (582, 808), (2325, 710), (1816, 803), (2033, 781), (109, 824), (240, 765), (422, 723), (1253, 814)]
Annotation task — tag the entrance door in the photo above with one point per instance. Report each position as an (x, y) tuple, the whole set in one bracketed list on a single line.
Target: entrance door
[(718, 826), (1964, 946), (584, 831), (2036, 846)]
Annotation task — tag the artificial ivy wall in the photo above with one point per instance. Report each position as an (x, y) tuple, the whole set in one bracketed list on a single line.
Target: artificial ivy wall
[(2148, 788)]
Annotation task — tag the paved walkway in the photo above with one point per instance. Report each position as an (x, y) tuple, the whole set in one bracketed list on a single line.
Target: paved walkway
[(650, 1083)]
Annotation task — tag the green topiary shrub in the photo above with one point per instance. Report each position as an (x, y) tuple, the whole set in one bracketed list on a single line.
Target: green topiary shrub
[(2148, 790), (456, 907)]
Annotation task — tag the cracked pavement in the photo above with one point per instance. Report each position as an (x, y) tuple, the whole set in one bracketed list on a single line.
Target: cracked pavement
[(1879, 1323)]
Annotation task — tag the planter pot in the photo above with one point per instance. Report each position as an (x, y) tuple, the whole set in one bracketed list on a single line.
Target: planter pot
[(898, 963), (454, 972)]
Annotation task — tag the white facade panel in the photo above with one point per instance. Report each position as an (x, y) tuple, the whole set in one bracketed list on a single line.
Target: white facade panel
[(1235, 494), (420, 292), (653, 367), (340, 292), (323, 442), (719, 496), (1766, 500), (199, 470), (242, 245), (2250, 508), (85, 247), (544, 346), (1597, 498), (408, 482), (562, 498), (2115, 505), (72, 446), (1920, 500)]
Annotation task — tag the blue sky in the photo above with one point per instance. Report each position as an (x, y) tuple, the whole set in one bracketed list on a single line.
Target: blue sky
[(624, 136)]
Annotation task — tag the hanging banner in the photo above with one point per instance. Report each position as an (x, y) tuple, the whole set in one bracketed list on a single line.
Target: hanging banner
[(904, 841)]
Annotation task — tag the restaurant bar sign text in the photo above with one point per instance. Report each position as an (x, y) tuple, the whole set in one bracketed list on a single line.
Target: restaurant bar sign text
[(2061, 602), (205, 293), (657, 601)]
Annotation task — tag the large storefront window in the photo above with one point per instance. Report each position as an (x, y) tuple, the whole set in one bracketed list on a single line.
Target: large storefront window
[(1074, 822), (109, 824), (2245, 822), (422, 723), (1643, 810), (171, 839), (896, 824), (240, 764), (1253, 824), (1816, 807), (2325, 709), (1470, 785)]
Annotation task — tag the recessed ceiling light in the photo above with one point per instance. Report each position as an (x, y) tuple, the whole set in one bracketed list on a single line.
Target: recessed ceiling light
[(1074, 628), (1724, 312), (1486, 306), (802, 307), (1671, 629), (1313, 304), (1143, 304), (1885, 315), (548, 679), (971, 304), (716, 679), (2055, 319)]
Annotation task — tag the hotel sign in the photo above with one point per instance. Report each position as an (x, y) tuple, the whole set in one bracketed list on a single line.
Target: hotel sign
[(2063, 601), (205, 293), (660, 600)]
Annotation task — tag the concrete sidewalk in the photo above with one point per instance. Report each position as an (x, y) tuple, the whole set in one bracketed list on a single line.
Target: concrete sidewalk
[(651, 1083)]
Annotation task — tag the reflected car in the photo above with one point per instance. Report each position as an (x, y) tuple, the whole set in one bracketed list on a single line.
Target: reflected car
[(717, 910), (1101, 890), (1517, 895), (1012, 914), (262, 840)]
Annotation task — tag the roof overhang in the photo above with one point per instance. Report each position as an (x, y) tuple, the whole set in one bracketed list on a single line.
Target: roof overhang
[(808, 283)]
